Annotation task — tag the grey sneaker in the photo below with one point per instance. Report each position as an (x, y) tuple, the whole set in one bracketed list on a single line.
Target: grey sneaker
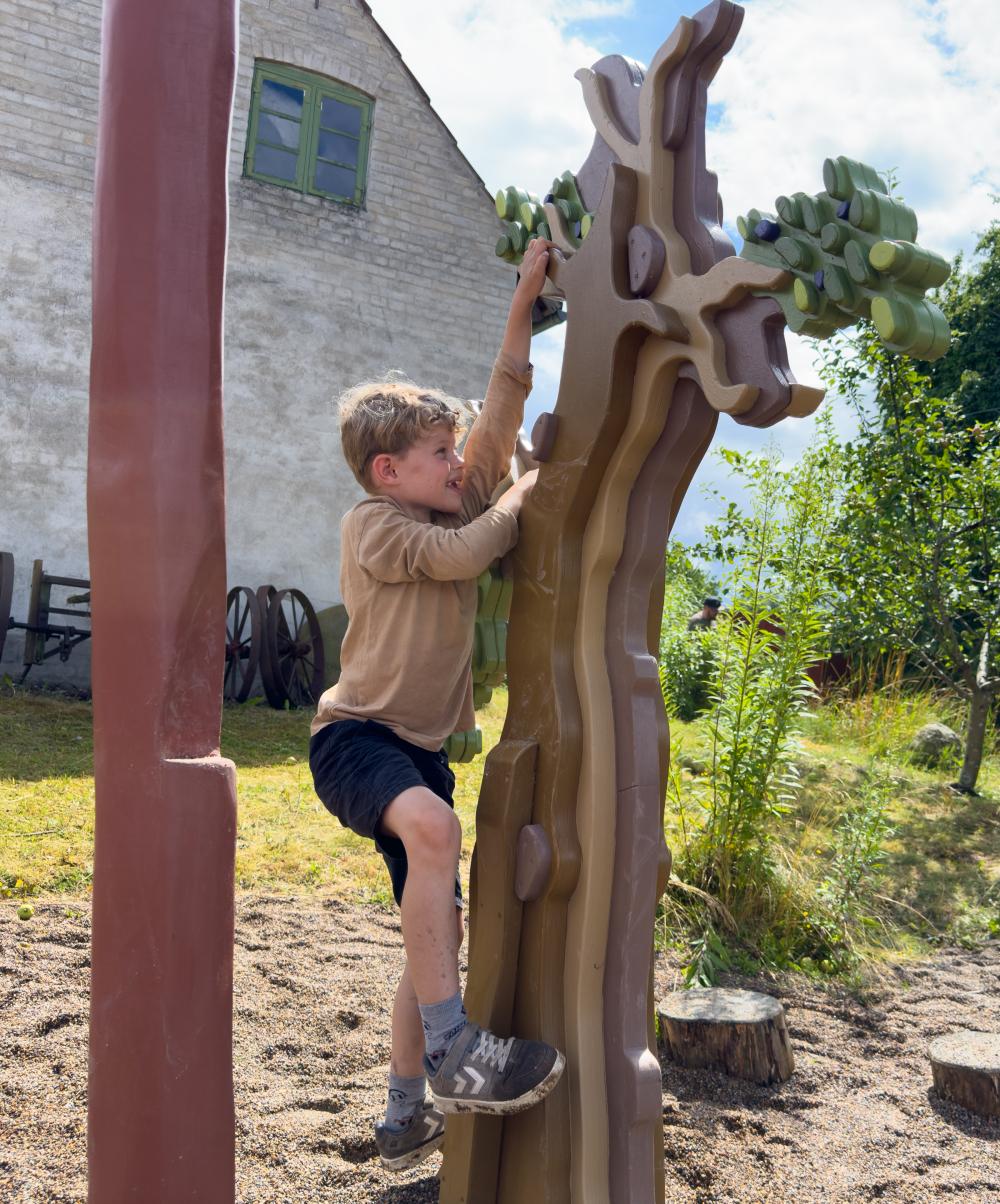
[(421, 1137), (484, 1073)]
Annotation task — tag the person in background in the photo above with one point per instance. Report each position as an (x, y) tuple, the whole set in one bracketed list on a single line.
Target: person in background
[(707, 615)]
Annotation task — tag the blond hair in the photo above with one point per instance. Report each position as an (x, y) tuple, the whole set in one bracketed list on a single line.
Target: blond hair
[(389, 416)]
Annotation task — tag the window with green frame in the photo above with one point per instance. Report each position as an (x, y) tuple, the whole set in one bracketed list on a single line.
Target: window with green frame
[(308, 133)]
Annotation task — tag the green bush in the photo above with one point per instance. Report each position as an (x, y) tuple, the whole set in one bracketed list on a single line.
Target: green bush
[(686, 657), (686, 662), (759, 688)]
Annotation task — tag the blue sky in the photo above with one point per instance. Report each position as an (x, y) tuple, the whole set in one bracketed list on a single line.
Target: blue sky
[(906, 84), (638, 26)]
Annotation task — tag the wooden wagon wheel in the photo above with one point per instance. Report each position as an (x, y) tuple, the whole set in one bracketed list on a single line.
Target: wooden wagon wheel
[(244, 637), (264, 595), (292, 665), (6, 592), (273, 691)]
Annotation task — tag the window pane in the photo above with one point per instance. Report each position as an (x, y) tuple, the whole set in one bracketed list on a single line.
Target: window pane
[(337, 180), (279, 130), (282, 98), (270, 161), (339, 116), (339, 147)]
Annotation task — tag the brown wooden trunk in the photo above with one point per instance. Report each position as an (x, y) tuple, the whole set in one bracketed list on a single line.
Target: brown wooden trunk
[(966, 1069), (741, 1033)]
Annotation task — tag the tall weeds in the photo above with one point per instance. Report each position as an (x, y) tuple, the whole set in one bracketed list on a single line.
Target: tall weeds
[(731, 870), (770, 634)]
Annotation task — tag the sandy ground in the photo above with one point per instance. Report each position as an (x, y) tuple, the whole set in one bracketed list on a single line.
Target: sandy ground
[(314, 983)]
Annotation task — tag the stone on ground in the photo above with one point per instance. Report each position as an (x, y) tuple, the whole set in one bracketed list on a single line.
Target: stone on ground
[(933, 743)]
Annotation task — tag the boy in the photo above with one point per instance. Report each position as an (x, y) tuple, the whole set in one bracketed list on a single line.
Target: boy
[(410, 556)]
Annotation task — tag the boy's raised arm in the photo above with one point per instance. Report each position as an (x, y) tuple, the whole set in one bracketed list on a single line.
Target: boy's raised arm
[(490, 445), (517, 335)]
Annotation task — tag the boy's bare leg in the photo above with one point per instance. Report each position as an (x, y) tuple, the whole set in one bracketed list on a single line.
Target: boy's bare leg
[(407, 1058), (469, 1068), (432, 837), (412, 1128)]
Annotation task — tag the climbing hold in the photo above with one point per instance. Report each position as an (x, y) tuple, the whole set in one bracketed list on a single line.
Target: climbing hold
[(646, 257), (767, 230), (543, 436), (534, 861)]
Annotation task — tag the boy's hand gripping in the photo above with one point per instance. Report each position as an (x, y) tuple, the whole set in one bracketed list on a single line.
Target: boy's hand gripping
[(513, 498), (533, 269)]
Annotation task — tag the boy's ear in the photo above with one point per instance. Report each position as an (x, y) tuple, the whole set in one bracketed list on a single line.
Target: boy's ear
[(383, 470)]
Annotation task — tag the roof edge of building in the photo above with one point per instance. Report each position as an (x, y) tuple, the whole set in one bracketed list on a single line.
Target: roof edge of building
[(366, 8)]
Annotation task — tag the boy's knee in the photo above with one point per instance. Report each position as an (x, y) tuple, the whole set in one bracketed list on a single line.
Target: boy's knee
[(427, 826), (436, 832)]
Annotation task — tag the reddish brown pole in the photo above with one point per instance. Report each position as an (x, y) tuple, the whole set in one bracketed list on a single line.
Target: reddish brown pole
[(161, 1124)]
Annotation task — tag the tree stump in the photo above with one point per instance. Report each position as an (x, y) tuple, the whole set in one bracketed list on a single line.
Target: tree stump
[(741, 1033), (966, 1068)]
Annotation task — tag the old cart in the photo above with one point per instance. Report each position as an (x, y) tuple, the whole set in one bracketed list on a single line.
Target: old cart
[(39, 630), (275, 631)]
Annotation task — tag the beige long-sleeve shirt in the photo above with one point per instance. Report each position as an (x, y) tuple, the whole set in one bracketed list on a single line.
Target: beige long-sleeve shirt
[(409, 588)]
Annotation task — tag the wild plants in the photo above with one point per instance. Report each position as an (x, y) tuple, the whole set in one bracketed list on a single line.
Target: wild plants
[(686, 656), (760, 693)]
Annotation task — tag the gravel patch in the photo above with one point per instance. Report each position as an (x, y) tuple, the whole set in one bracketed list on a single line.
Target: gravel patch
[(313, 993)]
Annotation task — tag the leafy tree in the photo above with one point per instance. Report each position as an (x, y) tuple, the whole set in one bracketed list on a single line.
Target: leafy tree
[(918, 548), (691, 582), (971, 302)]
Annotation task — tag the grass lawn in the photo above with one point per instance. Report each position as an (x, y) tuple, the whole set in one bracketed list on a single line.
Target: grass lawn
[(944, 854), (286, 840), (941, 875)]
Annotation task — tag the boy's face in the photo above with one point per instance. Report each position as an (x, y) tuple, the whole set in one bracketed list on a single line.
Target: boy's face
[(426, 477)]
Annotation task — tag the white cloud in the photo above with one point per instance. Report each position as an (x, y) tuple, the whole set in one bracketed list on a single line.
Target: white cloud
[(905, 84), (502, 80), (909, 84), (547, 354)]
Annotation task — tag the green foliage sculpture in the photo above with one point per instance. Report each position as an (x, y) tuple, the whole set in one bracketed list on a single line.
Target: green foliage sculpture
[(850, 252), (489, 654), (525, 218)]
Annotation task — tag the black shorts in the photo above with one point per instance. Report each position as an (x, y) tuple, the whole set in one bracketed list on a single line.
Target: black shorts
[(359, 767)]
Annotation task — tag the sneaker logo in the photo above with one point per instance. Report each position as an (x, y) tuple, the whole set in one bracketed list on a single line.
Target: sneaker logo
[(461, 1083)]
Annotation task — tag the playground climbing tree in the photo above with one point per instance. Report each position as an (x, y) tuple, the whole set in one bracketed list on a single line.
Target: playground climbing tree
[(667, 328)]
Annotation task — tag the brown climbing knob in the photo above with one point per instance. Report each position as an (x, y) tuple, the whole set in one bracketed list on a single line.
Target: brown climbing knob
[(534, 860), (646, 257), (543, 435)]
